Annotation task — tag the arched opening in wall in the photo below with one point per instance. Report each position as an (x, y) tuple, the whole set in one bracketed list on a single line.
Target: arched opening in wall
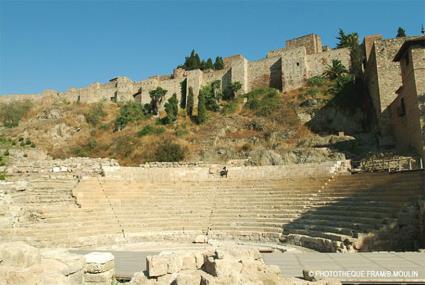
[(275, 80), (298, 64), (183, 94)]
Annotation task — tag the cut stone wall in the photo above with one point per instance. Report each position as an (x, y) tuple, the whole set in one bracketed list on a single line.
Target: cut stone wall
[(311, 42), (284, 69), (294, 68), (408, 127), (265, 73), (387, 74), (211, 173), (318, 63)]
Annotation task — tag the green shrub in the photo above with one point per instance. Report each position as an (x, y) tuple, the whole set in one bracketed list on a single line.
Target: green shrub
[(129, 112), (182, 132), (104, 127), (317, 81), (2, 176), (230, 92), (312, 91), (11, 113), (33, 145), (172, 109), (25, 155), (150, 130), (263, 101), (95, 114), (169, 151), (13, 143), (28, 142), (22, 143), (6, 152), (21, 139), (212, 95), (229, 108)]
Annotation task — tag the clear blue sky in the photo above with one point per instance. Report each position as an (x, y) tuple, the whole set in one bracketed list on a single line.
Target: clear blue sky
[(63, 44)]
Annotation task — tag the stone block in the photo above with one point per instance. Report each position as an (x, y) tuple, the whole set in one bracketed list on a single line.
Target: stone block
[(222, 267), (189, 277), (97, 262), (157, 265), (98, 278)]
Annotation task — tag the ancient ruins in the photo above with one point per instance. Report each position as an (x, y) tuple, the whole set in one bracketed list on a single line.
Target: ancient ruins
[(207, 229)]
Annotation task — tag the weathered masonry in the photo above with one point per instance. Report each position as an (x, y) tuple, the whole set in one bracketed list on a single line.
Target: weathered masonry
[(284, 69), (407, 111)]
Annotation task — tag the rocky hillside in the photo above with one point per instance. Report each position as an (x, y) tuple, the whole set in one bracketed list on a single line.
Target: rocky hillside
[(318, 122)]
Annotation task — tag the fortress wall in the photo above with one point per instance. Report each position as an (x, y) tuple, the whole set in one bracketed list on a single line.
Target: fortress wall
[(210, 76), (276, 52), (172, 86), (371, 75), (238, 173), (194, 80), (368, 44), (311, 42), (294, 68), (408, 128), (92, 93), (264, 73), (18, 97), (143, 88), (239, 72), (388, 75), (317, 63)]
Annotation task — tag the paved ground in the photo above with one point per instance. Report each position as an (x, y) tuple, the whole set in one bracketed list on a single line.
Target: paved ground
[(393, 267)]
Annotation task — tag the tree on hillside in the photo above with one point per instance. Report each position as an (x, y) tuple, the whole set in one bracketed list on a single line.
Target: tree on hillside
[(219, 63), (400, 32), (190, 102), (191, 62), (202, 110), (209, 64), (336, 69), (347, 40), (172, 109), (157, 96)]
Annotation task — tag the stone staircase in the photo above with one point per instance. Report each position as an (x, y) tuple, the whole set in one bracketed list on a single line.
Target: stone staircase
[(360, 212), (316, 211)]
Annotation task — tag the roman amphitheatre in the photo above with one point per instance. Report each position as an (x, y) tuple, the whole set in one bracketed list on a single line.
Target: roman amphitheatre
[(302, 167)]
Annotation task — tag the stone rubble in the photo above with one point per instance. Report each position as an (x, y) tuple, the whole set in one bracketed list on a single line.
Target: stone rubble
[(99, 268), (22, 264), (228, 264)]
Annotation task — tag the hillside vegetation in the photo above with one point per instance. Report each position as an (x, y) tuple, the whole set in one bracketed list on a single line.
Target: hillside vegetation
[(263, 126)]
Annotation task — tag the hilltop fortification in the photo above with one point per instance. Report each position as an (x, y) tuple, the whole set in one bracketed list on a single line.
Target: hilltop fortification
[(284, 68)]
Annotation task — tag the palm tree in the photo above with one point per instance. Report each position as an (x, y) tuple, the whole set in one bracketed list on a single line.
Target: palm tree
[(336, 69), (347, 40)]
